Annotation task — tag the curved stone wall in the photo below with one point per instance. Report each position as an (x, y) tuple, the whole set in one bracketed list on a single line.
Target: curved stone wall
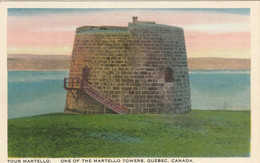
[(129, 65)]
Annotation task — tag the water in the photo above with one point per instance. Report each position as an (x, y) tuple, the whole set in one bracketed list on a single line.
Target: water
[(40, 92), (220, 90), (35, 92)]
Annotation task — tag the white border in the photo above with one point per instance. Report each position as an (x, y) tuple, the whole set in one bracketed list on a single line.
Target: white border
[(255, 59)]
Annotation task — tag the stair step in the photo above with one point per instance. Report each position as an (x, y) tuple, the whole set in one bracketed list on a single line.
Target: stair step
[(107, 102)]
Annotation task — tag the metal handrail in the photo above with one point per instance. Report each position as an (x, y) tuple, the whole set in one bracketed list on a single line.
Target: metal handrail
[(81, 83), (69, 83), (106, 96)]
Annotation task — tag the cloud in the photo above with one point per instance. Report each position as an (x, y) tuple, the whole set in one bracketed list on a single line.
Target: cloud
[(231, 53), (58, 29), (219, 28), (50, 31), (38, 50)]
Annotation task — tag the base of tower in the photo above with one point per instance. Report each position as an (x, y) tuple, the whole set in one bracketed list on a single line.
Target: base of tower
[(77, 111)]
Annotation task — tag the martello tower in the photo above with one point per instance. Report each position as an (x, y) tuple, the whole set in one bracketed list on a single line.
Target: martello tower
[(141, 68)]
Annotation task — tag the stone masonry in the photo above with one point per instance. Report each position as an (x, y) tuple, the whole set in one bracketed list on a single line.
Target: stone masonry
[(142, 66)]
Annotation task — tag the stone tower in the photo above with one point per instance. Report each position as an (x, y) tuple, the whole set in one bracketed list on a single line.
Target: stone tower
[(142, 67)]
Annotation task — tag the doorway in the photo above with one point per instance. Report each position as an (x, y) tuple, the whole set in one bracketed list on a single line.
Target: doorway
[(85, 73)]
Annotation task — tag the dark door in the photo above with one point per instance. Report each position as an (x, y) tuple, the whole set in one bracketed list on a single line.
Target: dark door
[(85, 73)]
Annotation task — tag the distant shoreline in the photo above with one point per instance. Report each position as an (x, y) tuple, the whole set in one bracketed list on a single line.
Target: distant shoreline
[(197, 70), (43, 70), (20, 62)]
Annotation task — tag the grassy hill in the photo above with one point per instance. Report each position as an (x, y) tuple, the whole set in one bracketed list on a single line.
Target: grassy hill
[(196, 134)]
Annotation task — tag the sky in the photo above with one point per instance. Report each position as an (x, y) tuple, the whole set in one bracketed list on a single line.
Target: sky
[(210, 32)]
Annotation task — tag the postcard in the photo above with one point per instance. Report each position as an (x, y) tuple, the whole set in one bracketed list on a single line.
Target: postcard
[(147, 82)]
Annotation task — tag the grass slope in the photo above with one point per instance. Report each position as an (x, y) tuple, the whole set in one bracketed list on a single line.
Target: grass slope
[(197, 134)]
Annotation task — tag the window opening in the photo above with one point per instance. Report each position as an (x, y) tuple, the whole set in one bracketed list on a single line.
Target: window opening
[(168, 74)]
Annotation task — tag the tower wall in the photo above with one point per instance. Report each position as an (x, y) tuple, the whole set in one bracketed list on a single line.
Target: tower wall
[(128, 65)]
